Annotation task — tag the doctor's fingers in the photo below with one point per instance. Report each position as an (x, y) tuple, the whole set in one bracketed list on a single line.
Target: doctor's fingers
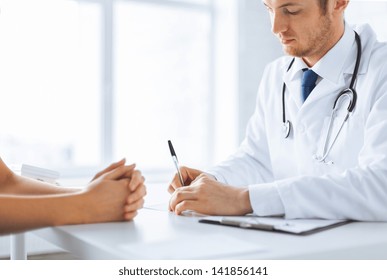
[(182, 194), (203, 179), (175, 184), (192, 205), (136, 180), (200, 180), (188, 175), (139, 193)]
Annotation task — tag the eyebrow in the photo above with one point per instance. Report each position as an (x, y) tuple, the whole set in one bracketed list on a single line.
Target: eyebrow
[(284, 5)]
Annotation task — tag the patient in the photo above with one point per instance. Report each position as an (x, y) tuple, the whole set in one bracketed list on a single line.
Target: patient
[(114, 194)]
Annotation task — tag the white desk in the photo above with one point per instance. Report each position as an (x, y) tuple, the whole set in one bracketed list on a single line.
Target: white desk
[(114, 240), (111, 241)]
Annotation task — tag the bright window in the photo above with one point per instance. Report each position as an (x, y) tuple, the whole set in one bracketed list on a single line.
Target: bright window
[(85, 82), (163, 82), (50, 91)]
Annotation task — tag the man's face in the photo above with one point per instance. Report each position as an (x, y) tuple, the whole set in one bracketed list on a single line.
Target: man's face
[(301, 27)]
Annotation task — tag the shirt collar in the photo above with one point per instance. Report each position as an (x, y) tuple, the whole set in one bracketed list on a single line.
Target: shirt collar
[(331, 65)]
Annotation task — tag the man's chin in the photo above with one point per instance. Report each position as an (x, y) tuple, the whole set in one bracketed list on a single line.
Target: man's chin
[(291, 51)]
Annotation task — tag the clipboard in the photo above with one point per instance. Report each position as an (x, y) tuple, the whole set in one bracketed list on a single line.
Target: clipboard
[(275, 224)]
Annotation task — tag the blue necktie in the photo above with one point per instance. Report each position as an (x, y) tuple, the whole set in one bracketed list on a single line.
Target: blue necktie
[(308, 83)]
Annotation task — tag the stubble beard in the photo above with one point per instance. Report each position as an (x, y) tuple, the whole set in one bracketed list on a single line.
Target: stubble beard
[(317, 42)]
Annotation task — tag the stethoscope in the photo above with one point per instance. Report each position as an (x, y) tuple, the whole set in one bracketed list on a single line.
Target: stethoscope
[(348, 93)]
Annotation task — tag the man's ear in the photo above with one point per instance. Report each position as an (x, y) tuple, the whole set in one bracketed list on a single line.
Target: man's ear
[(340, 5)]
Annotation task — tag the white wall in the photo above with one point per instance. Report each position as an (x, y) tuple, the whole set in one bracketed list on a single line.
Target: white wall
[(257, 47)]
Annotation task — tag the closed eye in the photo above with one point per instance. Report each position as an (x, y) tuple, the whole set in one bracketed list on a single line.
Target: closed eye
[(291, 12)]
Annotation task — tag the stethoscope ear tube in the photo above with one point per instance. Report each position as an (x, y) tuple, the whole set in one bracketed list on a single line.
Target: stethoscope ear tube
[(286, 124), (351, 92)]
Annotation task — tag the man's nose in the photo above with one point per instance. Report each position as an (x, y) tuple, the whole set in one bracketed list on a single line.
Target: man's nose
[(278, 23)]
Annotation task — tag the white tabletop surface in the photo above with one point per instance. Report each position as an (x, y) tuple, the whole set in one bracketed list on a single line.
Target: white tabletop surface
[(159, 234)]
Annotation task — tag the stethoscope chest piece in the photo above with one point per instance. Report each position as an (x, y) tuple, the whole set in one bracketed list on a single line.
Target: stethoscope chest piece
[(286, 127)]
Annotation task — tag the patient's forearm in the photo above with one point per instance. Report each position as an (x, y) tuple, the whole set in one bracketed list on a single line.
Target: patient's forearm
[(11, 183), (28, 212), (25, 186)]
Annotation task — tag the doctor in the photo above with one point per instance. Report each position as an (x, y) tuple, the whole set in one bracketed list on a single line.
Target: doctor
[(317, 156)]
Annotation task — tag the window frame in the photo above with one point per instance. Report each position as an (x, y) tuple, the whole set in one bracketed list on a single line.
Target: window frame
[(107, 79)]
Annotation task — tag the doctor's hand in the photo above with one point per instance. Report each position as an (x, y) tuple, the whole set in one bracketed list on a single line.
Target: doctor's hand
[(188, 174), (207, 196)]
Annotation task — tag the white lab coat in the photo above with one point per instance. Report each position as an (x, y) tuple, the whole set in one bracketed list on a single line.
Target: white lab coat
[(282, 175)]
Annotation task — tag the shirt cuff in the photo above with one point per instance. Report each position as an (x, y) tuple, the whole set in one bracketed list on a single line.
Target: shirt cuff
[(265, 200)]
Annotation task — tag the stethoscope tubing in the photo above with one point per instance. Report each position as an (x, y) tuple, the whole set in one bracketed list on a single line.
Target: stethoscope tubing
[(348, 92), (351, 86)]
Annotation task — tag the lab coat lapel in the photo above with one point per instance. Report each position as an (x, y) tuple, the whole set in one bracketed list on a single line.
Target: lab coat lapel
[(293, 90), (292, 79), (326, 88)]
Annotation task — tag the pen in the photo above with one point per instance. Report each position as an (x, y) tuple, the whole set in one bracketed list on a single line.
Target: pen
[(175, 161)]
